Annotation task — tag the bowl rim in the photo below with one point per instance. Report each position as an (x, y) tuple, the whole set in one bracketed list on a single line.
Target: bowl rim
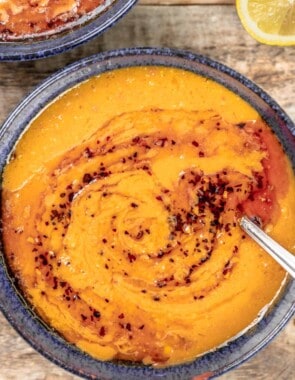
[(52, 345), (43, 47)]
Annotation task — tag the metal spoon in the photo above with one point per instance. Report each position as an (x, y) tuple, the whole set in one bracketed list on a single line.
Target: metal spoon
[(280, 254)]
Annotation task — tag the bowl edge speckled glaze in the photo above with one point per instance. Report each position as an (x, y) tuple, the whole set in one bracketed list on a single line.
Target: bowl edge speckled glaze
[(50, 344), (84, 31)]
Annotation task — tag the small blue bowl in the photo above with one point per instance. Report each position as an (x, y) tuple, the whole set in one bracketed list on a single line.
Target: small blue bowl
[(70, 36), (48, 342)]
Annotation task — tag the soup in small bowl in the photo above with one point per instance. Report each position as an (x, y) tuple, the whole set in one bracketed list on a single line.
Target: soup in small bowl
[(121, 197), (38, 29)]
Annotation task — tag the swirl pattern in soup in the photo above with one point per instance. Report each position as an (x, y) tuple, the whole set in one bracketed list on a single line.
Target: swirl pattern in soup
[(126, 241)]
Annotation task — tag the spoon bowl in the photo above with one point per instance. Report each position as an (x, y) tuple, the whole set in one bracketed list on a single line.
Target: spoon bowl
[(279, 253)]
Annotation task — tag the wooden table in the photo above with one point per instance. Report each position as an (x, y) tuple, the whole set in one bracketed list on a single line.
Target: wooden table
[(208, 27)]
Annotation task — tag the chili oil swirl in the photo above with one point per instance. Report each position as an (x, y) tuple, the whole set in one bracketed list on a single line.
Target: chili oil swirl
[(141, 221)]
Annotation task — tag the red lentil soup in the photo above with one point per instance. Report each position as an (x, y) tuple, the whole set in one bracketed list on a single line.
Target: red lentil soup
[(120, 214)]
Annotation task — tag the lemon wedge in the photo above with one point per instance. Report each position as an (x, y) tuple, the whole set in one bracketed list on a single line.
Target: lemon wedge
[(269, 21)]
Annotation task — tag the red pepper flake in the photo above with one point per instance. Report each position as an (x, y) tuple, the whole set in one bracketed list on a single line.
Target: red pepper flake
[(104, 174), (104, 240), (112, 149), (227, 227), (259, 179), (134, 205), (201, 154), (161, 283), (128, 326), (96, 314), (226, 271), (139, 235), (141, 327), (44, 259), (159, 198), (199, 297), (71, 196), (156, 298), (88, 153), (121, 316), (160, 254), (195, 143), (131, 257), (161, 142), (62, 195), (55, 282), (204, 259), (83, 317), (102, 331)]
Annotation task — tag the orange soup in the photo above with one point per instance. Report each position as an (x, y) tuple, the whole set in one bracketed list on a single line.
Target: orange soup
[(120, 207)]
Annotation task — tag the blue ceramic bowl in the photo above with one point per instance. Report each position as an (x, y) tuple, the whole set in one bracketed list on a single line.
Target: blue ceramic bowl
[(72, 35), (48, 342)]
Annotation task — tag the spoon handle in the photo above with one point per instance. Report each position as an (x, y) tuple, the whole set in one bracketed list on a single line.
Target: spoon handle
[(280, 254)]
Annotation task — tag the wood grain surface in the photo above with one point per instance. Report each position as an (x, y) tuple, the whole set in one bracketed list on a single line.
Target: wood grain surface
[(211, 30)]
